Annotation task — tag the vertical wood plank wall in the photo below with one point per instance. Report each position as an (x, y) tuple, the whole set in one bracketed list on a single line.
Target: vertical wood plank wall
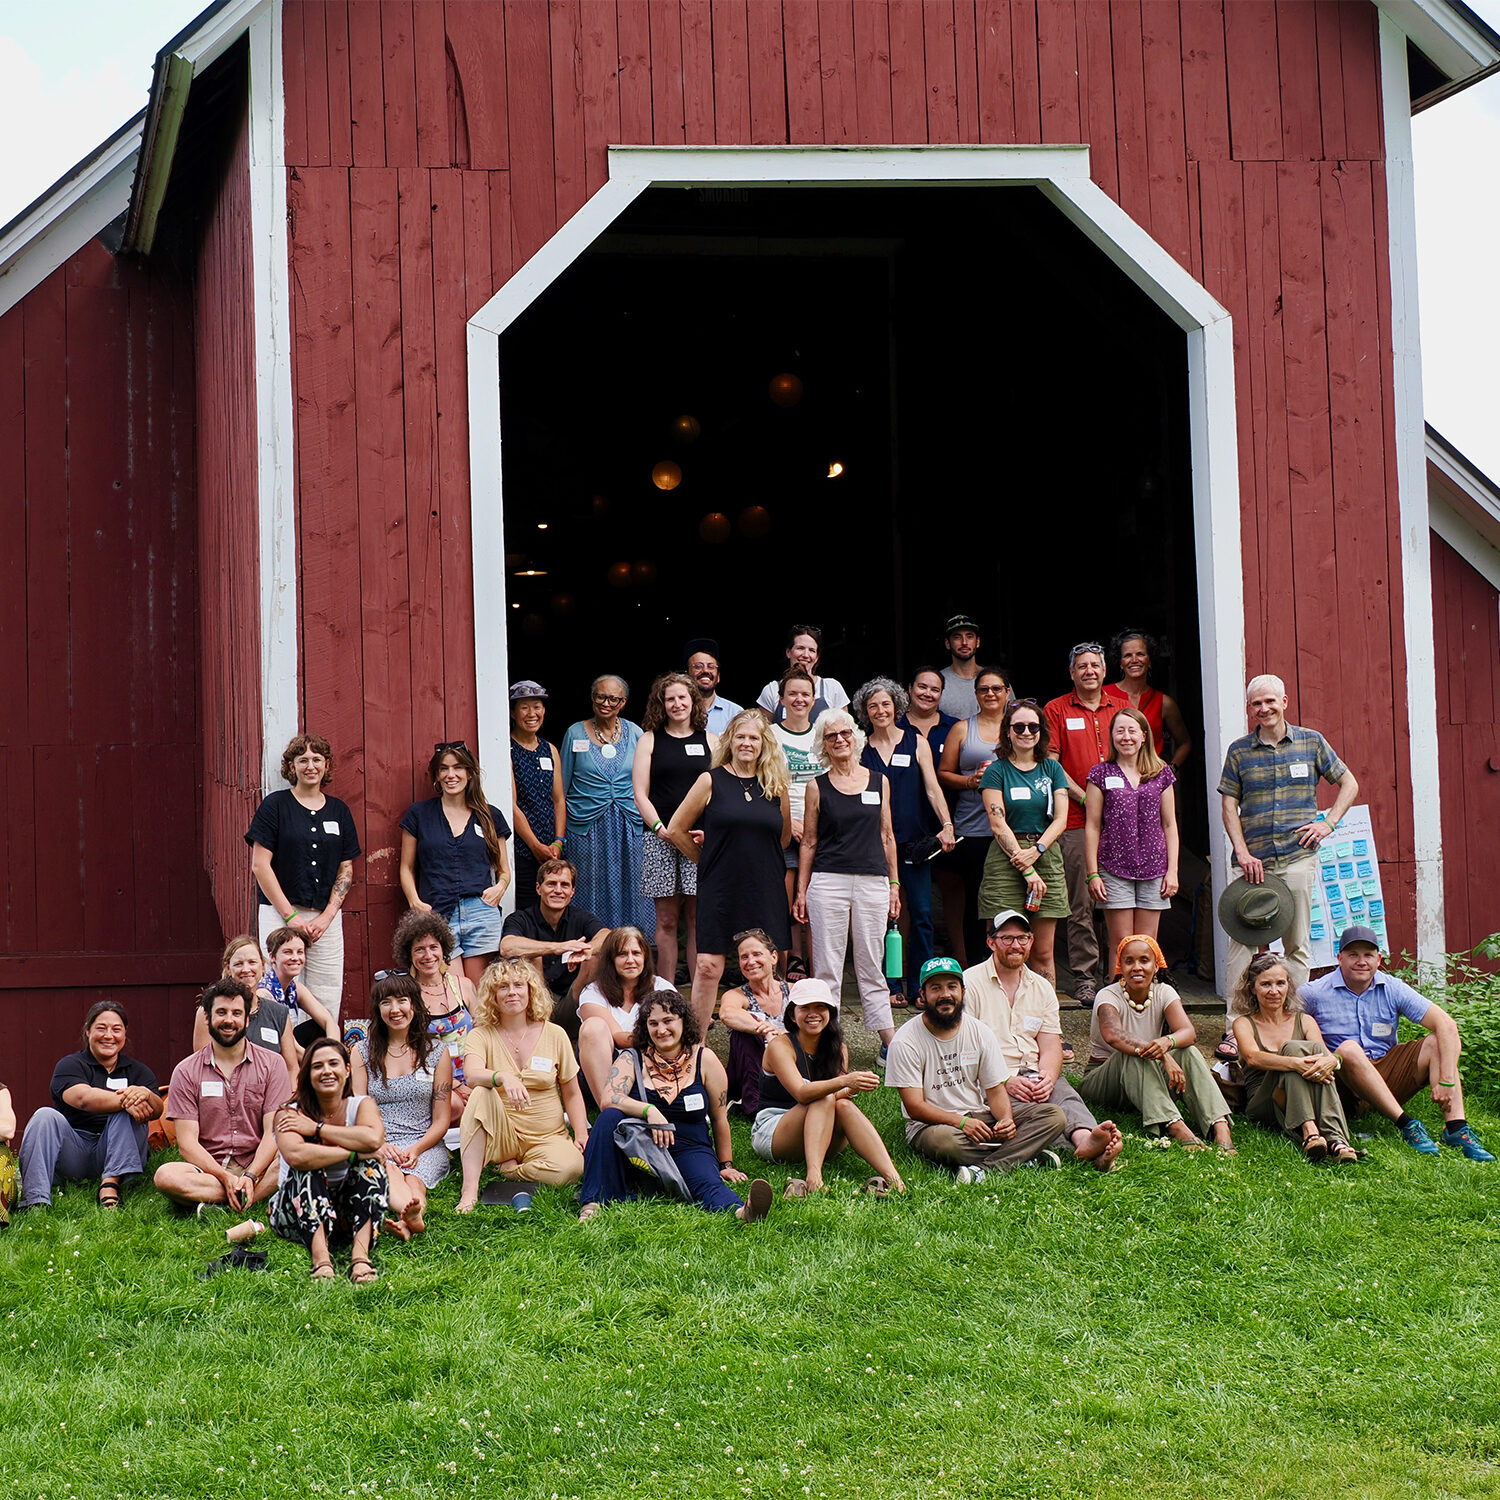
[(1246, 137), (100, 752)]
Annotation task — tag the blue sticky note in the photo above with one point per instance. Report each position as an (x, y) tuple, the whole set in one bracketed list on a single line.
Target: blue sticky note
[(1365, 868), (1361, 848), (1333, 892), (1346, 869), (1357, 905), (1326, 854), (1337, 912), (1377, 912), (1316, 931), (1346, 849)]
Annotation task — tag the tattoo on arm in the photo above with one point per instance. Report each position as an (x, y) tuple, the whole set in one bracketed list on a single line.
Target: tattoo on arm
[(723, 1098), (620, 1081), (344, 880)]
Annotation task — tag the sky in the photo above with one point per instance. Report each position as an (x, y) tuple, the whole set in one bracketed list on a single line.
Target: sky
[(73, 71)]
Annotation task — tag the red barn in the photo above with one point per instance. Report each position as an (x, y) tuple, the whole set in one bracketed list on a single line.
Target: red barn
[(333, 385)]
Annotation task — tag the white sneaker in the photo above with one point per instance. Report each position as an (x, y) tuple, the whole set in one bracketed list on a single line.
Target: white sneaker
[(1046, 1161), (971, 1176)]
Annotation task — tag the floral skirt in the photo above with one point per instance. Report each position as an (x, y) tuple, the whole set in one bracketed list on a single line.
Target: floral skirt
[(307, 1201)]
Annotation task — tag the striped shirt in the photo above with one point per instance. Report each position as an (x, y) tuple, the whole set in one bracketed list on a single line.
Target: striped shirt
[(1277, 787)]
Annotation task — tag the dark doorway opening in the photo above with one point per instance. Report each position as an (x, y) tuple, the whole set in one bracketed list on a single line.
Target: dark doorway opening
[(1009, 410)]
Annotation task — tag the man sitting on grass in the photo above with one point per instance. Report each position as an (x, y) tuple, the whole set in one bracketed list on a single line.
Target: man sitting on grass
[(224, 1099), (951, 1074), (1020, 1007), (1357, 1008)]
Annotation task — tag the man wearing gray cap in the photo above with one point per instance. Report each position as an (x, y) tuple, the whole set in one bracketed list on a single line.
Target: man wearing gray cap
[(1357, 1009), (962, 637), (701, 658)]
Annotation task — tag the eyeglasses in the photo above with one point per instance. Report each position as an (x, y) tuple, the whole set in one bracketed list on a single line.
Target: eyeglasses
[(998, 687), (839, 734), (607, 698), (392, 974), (1012, 939), (1025, 726), (443, 745)]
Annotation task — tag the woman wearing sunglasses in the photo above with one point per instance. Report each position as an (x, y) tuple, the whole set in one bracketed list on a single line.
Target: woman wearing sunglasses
[(1026, 803), (453, 856)]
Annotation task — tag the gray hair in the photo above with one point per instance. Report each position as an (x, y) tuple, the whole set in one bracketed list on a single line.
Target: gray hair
[(609, 677), (1267, 682), (879, 685), (1082, 649), (836, 718)]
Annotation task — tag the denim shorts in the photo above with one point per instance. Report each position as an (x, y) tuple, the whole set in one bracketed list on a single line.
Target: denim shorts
[(767, 1118), (1142, 895), (477, 928)]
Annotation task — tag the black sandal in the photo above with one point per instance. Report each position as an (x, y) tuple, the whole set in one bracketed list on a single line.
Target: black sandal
[(355, 1264), (113, 1189)]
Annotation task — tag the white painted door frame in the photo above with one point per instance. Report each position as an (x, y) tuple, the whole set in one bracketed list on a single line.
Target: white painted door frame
[(1061, 174)]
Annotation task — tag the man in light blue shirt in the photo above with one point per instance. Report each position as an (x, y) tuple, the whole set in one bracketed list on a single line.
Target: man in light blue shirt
[(702, 659), (1357, 1009)]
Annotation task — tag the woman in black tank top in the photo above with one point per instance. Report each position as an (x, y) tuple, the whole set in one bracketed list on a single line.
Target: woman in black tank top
[(846, 877), (672, 754), (806, 1108)]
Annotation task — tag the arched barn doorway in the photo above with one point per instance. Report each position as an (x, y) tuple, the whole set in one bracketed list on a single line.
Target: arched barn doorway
[(992, 411)]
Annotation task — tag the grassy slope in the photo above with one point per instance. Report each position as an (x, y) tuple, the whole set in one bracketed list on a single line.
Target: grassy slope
[(1193, 1326)]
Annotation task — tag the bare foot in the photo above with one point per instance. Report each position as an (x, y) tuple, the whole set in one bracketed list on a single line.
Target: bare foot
[(1102, 1146), (1180, 1133), (411, 1216), (587, 1212), (466, 1205), (398, 1229), (1223, 1140)]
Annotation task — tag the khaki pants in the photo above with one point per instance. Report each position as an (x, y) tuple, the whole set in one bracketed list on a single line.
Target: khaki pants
[(1140, 1083), (1083, 941), (1288, 1101), (1037, 1126), (1299, 872)]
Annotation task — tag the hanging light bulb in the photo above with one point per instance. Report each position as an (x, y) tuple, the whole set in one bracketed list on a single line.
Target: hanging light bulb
[(666, 475)]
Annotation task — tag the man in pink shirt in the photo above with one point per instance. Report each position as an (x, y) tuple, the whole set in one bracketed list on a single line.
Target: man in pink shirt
[(222, 1100)]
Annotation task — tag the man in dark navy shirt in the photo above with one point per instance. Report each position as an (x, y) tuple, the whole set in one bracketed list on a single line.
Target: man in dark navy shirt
[(560, 938), (103, 1100)]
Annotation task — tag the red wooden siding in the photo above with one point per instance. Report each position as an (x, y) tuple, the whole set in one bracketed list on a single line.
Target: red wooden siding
[(228, 547), (100, 749), (1467, 628), (1245, 136)]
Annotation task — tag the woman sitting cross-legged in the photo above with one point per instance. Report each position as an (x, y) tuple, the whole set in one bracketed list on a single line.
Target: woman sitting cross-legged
[(333, 1182), (1141, 1053), (1291, 1072), (753, 1012), (522, 1076), (807, 1109), (674, 1085), (625, 972), (401, 1066)]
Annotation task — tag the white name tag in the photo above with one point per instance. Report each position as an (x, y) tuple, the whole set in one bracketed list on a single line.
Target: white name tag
[(1299, 770), (211, 1088), (1077, 723), (901, 760), (455, 1049), (542, 1064), (692, 750), (1020, 794), (330, 825), (268, 1034), (1114, 783), (870, 799), (968, 1059), (545, 762), (692, 1101), (1380, 1028), (119, 1085), (580, 747)]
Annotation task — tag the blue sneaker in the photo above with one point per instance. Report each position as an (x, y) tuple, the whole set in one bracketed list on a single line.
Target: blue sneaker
[(1466, 1141), (1415, 1135), (880, 1061)]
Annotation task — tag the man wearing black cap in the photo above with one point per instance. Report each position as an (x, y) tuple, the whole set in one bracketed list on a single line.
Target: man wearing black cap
[(1357, 1009), (701, 657), (958, 698)]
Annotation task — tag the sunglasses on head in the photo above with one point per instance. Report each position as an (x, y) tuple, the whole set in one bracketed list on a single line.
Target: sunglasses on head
[(443, 746), (392, 974)]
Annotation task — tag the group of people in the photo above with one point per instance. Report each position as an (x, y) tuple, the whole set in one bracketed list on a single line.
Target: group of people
[(788, 835)]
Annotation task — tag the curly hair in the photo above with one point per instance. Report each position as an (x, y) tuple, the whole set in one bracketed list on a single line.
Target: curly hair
[(295, 747), (225, 987), (1243, 1001), (899, 699), (655, 715), (835, 718), (668, 1000), (412, 928), (487, 1002), (770, 763)]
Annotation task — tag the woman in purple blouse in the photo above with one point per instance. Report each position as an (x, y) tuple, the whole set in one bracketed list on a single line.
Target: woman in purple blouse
[(1130, 832)]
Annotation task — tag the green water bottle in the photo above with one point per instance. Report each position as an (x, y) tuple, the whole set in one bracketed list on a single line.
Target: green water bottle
[(894, 961)]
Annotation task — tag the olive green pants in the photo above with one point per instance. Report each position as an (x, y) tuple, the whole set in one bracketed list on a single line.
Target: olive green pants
[(1287, 1101), (1140, 1083)]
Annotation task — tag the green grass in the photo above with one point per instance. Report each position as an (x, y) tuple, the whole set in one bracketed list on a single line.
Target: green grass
[(1191, 1326)]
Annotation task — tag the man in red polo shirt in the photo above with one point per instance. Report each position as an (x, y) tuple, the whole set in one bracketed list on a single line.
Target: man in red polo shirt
[(1079, 725)]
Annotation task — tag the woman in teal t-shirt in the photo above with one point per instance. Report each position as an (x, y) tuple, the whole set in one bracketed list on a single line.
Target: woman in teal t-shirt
[(1026, 799)]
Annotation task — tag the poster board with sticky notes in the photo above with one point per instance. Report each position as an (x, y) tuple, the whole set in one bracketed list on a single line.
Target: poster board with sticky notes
[(1347, 890)]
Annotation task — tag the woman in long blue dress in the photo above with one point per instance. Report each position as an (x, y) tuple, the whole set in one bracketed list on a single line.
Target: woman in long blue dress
[(605, 833)]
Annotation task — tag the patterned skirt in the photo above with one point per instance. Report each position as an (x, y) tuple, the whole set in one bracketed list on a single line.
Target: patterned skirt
[(666, 871), (608, 854)]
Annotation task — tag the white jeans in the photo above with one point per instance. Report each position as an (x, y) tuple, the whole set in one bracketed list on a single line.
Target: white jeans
[(1299, 874), (325, 958), (835, 904)]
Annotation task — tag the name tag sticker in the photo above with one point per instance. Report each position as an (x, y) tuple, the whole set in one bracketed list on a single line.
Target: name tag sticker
[(330, 825), (870, 799), (901, 760), (692, 750), (1114, 783), (542, 1064), (268, 1034), (119, 1085), (1298, 769), (545, 762), (211, 1088), (1076, 724), (455, 1049), (1380, 1028), (1020, 794), (968, 1059), (692, 1101), (580, 747)]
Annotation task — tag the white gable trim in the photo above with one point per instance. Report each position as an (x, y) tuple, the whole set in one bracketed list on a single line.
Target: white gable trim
[(1460, 533), (1447, 37)]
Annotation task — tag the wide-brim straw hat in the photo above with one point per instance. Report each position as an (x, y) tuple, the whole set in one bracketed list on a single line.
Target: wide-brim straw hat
[(1255, 915)]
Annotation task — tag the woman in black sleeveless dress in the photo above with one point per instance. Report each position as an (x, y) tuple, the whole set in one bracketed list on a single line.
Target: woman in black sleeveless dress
[(742, 808)]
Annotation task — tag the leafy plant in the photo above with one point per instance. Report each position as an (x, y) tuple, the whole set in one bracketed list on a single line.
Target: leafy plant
[(1470, 994)]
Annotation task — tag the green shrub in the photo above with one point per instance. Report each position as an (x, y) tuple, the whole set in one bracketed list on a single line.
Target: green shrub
[(1471, 995)]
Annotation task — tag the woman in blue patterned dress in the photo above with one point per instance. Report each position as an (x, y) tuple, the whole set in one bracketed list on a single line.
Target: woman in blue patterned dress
[(541, 814), (410, 1078), (605, 833)]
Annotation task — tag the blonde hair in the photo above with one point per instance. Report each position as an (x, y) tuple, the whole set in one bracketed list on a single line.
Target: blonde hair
[(234, 945), (770, 764), (1244, 1001), (1147, 761), (487, 1001)]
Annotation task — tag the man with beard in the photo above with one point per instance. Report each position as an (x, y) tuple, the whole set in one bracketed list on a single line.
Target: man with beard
[(951, 1075), (223, 1099), (702, 657)]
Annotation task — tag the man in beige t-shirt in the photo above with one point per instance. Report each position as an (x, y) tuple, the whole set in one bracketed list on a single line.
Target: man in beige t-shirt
[(1020, 1007), (951, 1074)]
